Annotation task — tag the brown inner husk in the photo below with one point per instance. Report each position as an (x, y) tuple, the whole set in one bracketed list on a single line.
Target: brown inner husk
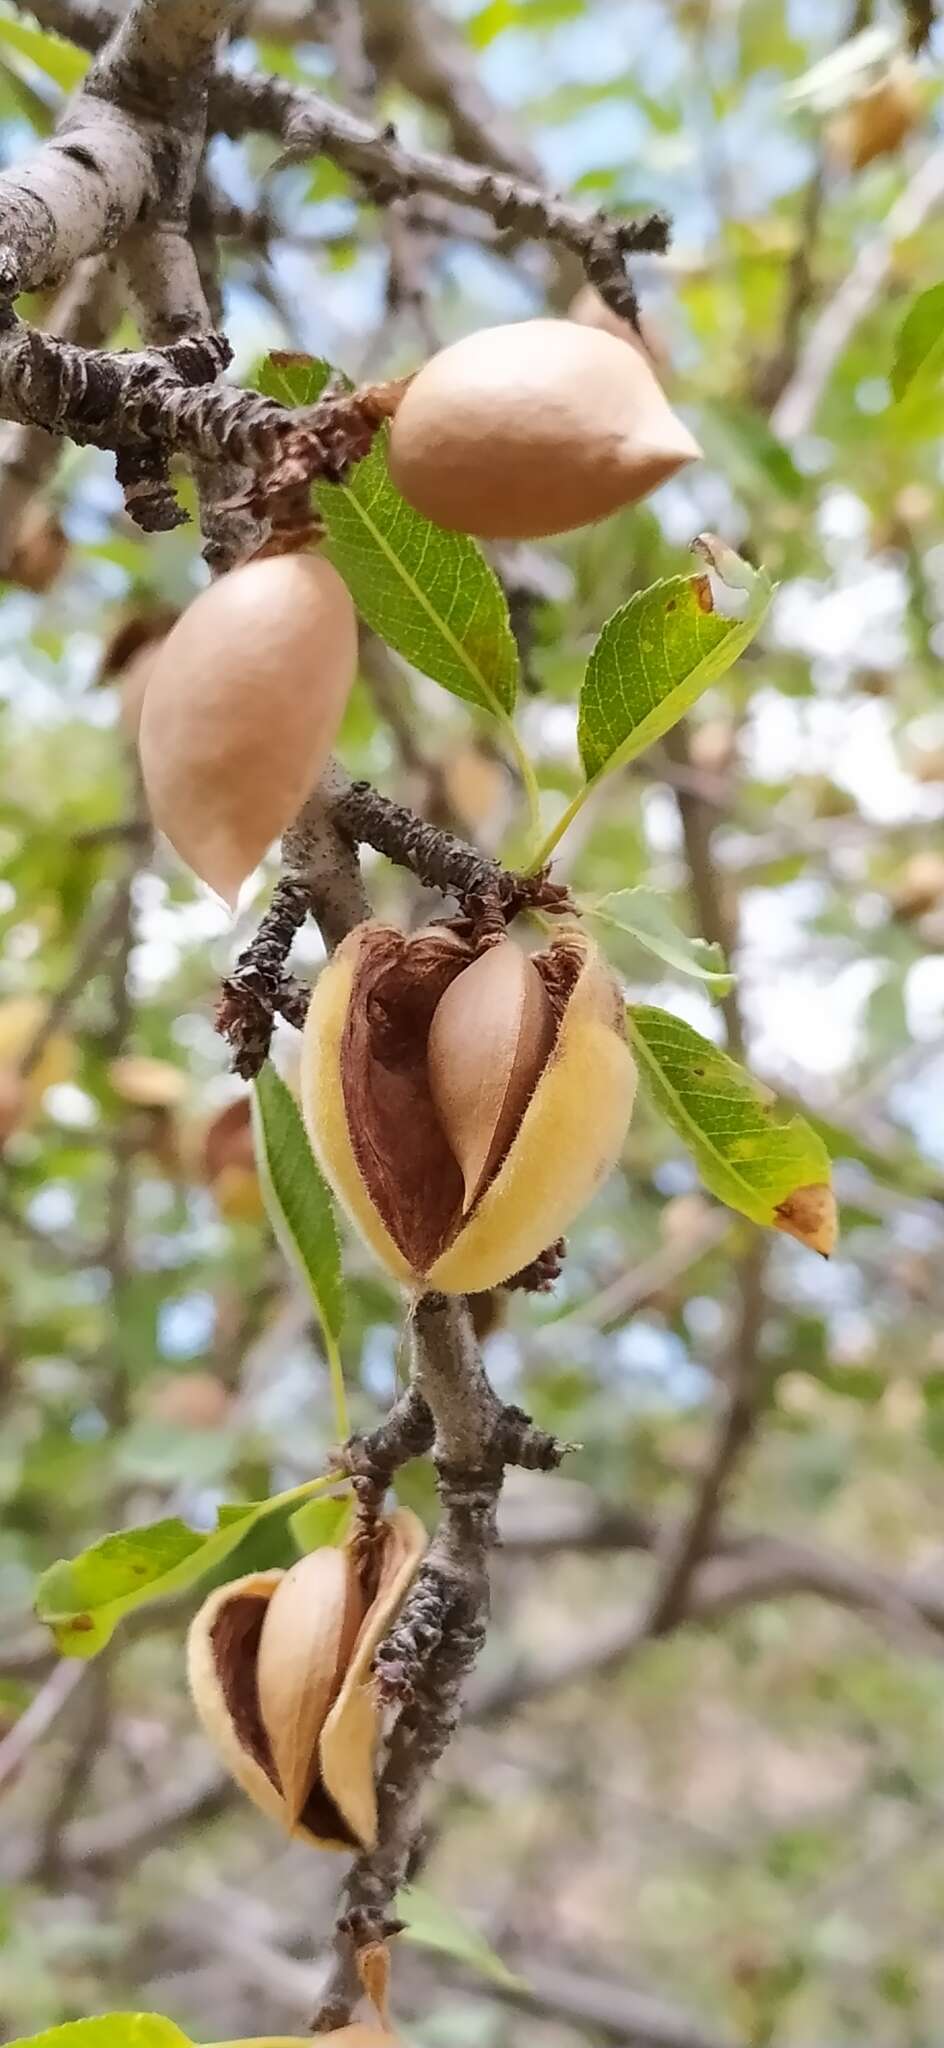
[(401, 1150)]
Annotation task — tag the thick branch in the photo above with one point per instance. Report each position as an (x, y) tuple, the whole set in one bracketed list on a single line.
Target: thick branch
[(308, 125), (127, 147)]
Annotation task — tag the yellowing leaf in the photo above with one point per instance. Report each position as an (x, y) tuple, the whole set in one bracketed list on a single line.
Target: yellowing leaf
[(775, 1173)]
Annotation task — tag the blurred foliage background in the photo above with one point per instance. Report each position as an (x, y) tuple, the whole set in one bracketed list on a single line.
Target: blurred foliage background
[(727, 1828)]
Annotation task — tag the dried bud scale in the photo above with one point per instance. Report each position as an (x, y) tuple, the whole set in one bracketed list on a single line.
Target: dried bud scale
[(461, 1118)]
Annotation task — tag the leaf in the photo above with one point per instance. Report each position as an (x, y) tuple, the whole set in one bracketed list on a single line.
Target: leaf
[(657, 654), (431, 1924), (60, 61), (293, 379), (775, 1173), (319, 1522), (919, 353), (110, 2030), (83, 1599), (296, 1195), (429, 594), (645, 915)]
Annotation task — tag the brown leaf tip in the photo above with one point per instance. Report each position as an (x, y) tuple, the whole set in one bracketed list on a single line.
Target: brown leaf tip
[(810, 1214)]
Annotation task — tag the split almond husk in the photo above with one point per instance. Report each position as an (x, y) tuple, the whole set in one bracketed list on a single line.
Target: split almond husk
[(241, 706), (515, 432), (298, 1671), (280, 1671), (462, 1119)]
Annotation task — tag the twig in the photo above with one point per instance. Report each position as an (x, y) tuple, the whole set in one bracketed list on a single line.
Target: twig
[(36, 1720), (308, 125), (831, 332), (104, 927), (424, 1662), (321, 875), (149, 404), (690, 1542)]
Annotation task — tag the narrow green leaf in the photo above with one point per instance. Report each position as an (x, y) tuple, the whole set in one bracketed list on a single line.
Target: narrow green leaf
[(751, 1162), (59, 60), (432, 1925), (296, 1195), (919, 351), (657, 654), (110, 2030), (292, 379), (318, 1523), (83, 1599), (645, 915), (429, 594)]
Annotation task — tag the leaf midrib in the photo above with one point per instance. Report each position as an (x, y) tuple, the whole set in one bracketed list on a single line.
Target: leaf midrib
[(702, 1141), (493, 703)]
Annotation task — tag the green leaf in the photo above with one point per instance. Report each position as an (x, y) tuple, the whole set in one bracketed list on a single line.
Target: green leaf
[(645, 915), (429, 594), (657, 654), (83, 1599), (296, 1196), (60, 60), (432, 1925), (752, 1163), (919, 353), (293, 379), (110, 2030), (318, 1523)]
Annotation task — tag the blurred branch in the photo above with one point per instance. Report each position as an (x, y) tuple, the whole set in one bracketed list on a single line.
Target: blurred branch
[(37, 1720), (832, 330), (690, 1542)]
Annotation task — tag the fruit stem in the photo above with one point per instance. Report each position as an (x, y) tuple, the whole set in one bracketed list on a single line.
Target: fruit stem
[(338, 1392), (556, 834), (529, 781)]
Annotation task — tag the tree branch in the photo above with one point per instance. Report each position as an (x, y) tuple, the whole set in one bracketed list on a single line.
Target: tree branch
[(127, 146)]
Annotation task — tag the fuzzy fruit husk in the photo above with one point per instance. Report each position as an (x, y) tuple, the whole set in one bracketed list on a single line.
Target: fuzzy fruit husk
[(242, 702), (569, 1138), (341, 1812), (515, 432)]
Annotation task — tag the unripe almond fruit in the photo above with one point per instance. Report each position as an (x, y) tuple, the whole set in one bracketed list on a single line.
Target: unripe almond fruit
[(240, 710), (533, 429)]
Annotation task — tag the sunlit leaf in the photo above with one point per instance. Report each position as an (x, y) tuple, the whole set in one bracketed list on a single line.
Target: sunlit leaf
[(431, 1924), (657, 654), (646, 916), (429, 594), (84, 1598), (777, 1173), (292, 379), (296, 1195), (60, 61), (919, 353), (110, 2030)]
